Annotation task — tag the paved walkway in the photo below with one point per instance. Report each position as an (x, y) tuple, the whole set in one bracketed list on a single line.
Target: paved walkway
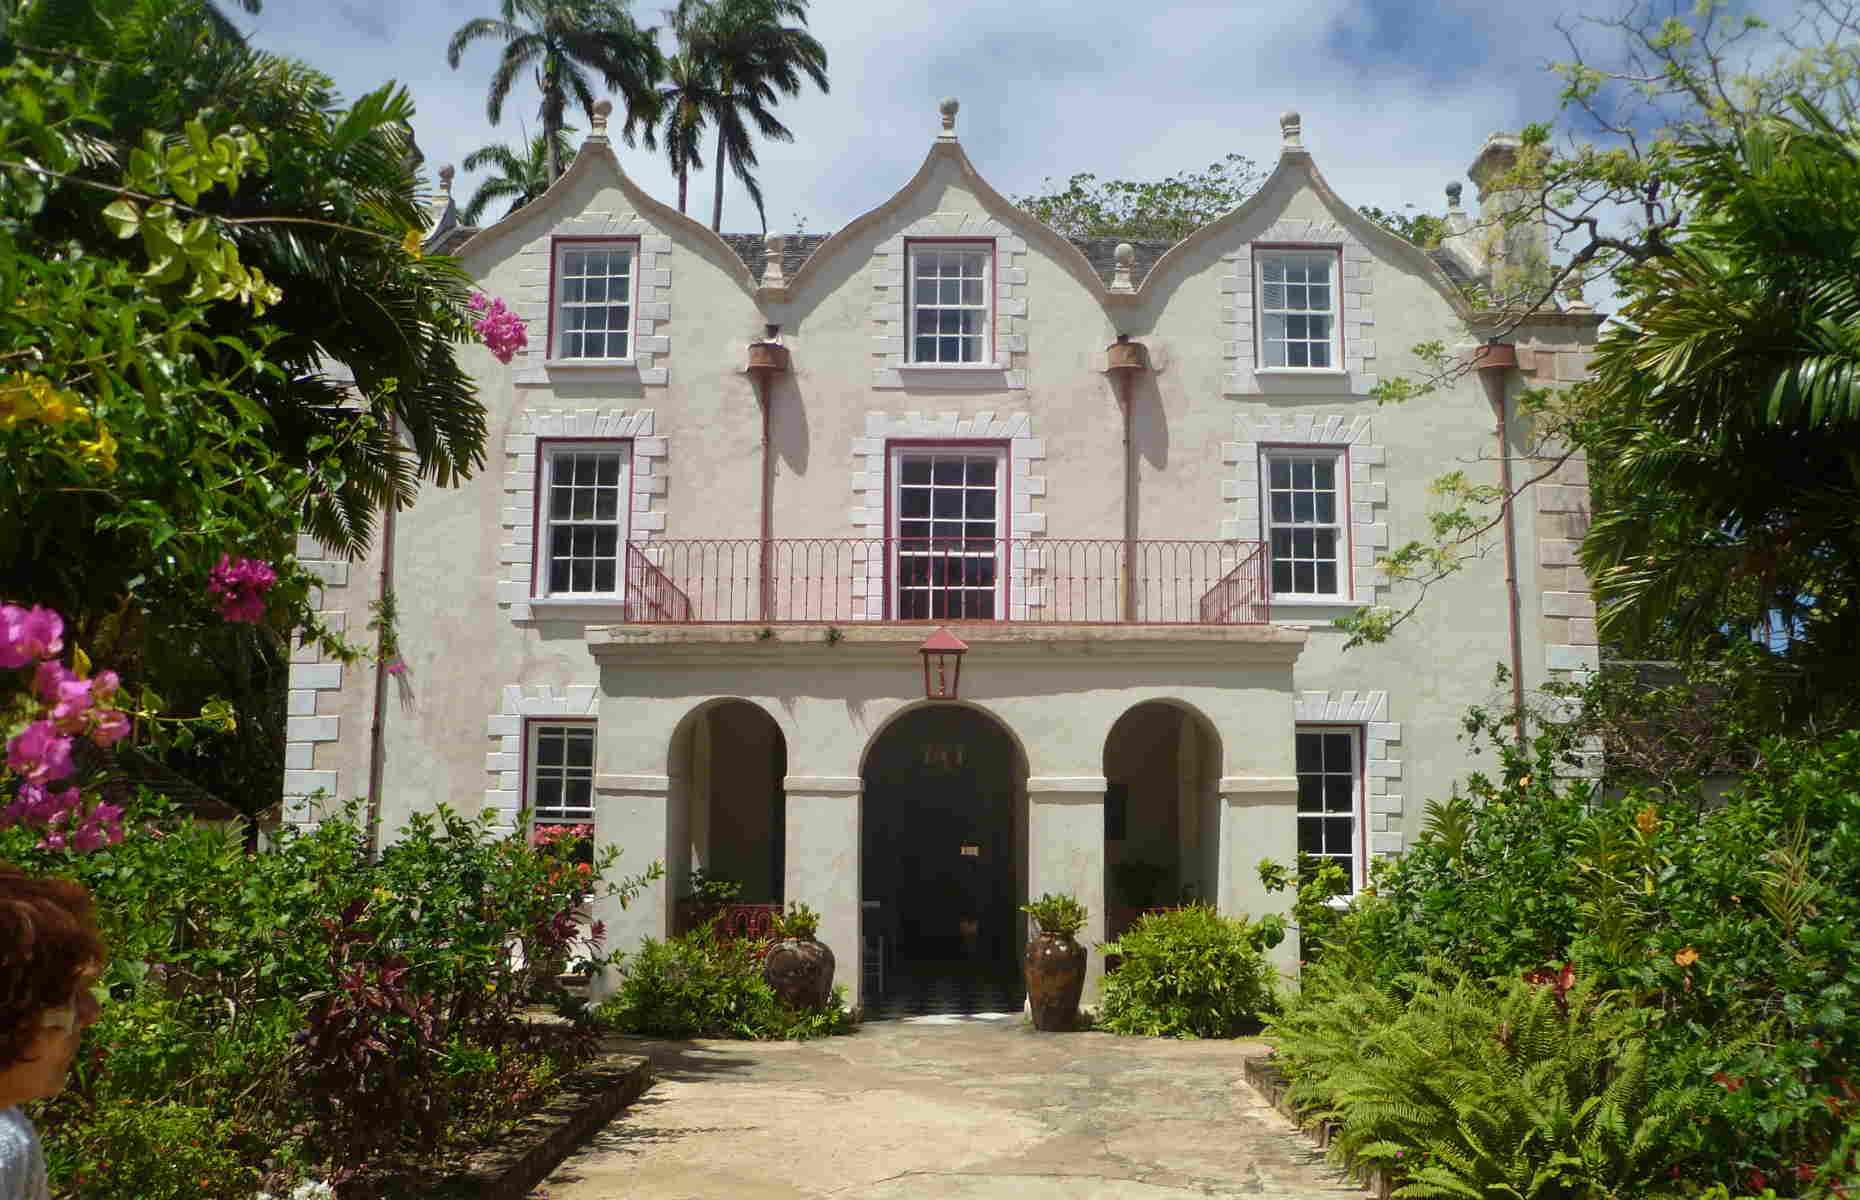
[(948, 1107)]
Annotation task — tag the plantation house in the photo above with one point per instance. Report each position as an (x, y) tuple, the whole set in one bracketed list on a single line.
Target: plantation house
[(737, 483)]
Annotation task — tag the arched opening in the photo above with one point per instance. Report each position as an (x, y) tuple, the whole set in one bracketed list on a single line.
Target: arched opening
[(1161, 812), (729, 759), (943, 863)]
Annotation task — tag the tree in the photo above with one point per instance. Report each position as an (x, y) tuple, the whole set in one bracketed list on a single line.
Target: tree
[(1726, 407), (1423, 229), (687, 102), (1167, 209), (756, 60), (524, 175), (563, 41)]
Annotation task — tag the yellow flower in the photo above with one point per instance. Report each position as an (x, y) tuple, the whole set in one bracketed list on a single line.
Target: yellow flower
[(101, 449), (26, 397), (412, 243), (1647, 820), (1686, 957)]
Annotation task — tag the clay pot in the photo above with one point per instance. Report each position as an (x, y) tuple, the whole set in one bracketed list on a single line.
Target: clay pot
[(1125, 356), (1055, 974), (768, 356), (801, 972)]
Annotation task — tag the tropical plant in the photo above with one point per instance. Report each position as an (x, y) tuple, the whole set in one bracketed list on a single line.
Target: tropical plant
[(1059, 914), (1188, 972), (799, 922), (563, 43), (1166, 209), (522, 175), (701, 984)]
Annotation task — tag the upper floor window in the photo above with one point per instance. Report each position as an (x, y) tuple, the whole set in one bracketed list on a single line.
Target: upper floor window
[(946, 518), (592, 315), (584, 515), (1305, 507), (951, 305), (1297, 309)]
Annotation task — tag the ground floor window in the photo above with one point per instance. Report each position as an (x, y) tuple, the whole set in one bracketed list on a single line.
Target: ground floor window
[(559, 789), (1329, 772)]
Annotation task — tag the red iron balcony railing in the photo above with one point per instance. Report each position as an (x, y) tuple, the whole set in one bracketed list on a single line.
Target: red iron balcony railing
[(855, 580)]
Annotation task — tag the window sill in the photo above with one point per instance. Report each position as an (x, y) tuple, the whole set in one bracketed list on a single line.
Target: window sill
[(1314, 602), (624, 371), (590, 364), (1301, 372), (593, 609), (952, 377)]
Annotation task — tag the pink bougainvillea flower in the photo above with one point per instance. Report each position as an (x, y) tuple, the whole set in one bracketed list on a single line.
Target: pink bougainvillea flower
[(110, 727), (39, 753), (478, 302), (27, 635), (104, 684), (241, 585), (502, 330)]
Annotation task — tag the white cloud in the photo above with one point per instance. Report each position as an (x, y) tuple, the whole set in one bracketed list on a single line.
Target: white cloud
[(1396, 97)]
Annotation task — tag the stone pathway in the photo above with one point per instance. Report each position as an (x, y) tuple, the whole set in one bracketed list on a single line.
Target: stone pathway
[(948, 1107)]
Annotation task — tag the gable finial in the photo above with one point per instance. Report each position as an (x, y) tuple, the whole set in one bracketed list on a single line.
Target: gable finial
[(1291, 131), (1453, 196), (602, 110), (948, 109), (772, 247), (1125, 257), (445, 179)]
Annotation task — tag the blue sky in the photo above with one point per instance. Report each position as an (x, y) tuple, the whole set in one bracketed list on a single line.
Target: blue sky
[(1396, 97)]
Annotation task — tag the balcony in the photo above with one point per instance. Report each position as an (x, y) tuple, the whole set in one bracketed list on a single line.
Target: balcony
[(847, 581)]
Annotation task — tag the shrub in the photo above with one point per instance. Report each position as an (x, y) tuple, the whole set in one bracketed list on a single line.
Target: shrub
[(1187, 973), (1061, 915), (800, 923), (700, 984), (165, 1150)]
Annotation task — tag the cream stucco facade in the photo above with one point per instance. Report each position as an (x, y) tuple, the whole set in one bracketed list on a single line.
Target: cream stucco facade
[(748, 733)]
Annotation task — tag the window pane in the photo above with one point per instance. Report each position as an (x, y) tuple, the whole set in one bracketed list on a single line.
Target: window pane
[(1338, 793), (1302, 507), (1318, 299), (1281, 471), (971, 291), (548, 793), (950, 292), (575, 262), (607, 541), (1310, 787), (947, 503), (1297, 354), (1302, 472), (1311, 837), (982, 503), (580, 747), (925, 291), (1304, 578), (982, 472), (1337, 752), (1310, 752), (596, 289), (1324, 473), (917, 530), (558, 575), (581, 575), (1319, 354), (1327, 579), (925, 351), (1326, 508), (606, 575), (913, 502), (548, 747), (1337, 834), (915, 470), (1281, 576), (1281, 506), (1325, 543), (578, 794), (947, 470)]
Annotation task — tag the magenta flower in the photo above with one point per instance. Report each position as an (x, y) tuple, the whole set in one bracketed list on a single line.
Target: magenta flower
[(39, 753), (501, 329), (110, 727), (478, 302), (27, 635), (241, 586)]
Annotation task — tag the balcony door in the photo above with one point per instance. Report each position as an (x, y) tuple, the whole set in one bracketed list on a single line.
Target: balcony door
[(948, 533)]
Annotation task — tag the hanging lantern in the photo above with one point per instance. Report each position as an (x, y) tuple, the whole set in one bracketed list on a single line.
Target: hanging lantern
[(942, 653)]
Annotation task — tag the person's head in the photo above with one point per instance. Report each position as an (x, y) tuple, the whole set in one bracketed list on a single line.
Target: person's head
[(50, 951)]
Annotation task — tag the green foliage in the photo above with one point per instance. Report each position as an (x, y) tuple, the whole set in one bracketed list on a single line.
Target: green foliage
[(1189, 972), (1314, 907), (1166, 209), (705, 985), (1061, 915), (1423, 229), (305, 1004), (1532, 1091), (799, 922), (709, 888), (165, 1150), (522, 174)]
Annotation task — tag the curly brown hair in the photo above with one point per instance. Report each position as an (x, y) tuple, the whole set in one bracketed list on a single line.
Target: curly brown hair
[(48, 940)]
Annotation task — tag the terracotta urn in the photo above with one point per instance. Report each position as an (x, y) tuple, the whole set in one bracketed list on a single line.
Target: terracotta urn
[(768, 356), (801, 972), (1055, 974), (1125, 356)]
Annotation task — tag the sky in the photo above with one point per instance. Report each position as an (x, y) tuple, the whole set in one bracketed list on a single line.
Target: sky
[(1396, 97)]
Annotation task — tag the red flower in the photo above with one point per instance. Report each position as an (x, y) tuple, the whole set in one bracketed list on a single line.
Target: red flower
[(1731, 1083), (1757, 1181)]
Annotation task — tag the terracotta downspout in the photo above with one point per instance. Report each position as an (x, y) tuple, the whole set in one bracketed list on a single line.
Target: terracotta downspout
[(1495, 361), (377, 734), (1125, 360), (767, 359)]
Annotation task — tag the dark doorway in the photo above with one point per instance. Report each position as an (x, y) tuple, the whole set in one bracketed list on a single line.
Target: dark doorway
[(939, 843)]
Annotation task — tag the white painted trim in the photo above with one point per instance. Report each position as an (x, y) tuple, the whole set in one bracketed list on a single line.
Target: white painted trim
[(646, 476), (1241, 785), (1025, 495), (652, 295), (1381, 808), (1355, 286), (1065, 783), (310, 681), (653, 784), (504, 726), (1367, 489), (890, 283), (823, 785)]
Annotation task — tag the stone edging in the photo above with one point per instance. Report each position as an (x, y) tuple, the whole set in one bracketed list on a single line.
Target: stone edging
[(1264, 1076), (588, 1098)]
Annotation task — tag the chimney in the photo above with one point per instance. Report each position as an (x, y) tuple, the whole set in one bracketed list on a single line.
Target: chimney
[(1514, 235)]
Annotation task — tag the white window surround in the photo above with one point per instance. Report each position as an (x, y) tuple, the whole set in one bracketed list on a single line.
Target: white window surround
[(922, 489), (516, 555), (504, 764), (1355, 374), (1296, 308), (1367, 490), (569, 298), (565, 464), (891, 299), (311, 679), (1025, 497), (1368, 709), (652, 309)]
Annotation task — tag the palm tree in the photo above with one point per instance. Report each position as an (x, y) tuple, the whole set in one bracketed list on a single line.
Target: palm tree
[(756, 60), (524, 173), (689, 99), (562, 42)]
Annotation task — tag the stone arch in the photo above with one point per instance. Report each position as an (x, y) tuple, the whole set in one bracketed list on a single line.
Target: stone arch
[(1162, 768), (726, 759)]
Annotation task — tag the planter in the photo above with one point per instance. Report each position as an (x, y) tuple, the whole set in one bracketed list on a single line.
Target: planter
[(1126, 356), (801, 972), (770, 357), (1055, 975)]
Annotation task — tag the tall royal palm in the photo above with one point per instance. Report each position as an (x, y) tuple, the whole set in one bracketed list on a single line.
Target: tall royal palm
[(688, 100), (522, 173), (754, 60), (562, 42)]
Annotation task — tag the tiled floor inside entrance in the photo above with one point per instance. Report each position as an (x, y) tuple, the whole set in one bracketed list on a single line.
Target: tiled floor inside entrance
[(946, 989)]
